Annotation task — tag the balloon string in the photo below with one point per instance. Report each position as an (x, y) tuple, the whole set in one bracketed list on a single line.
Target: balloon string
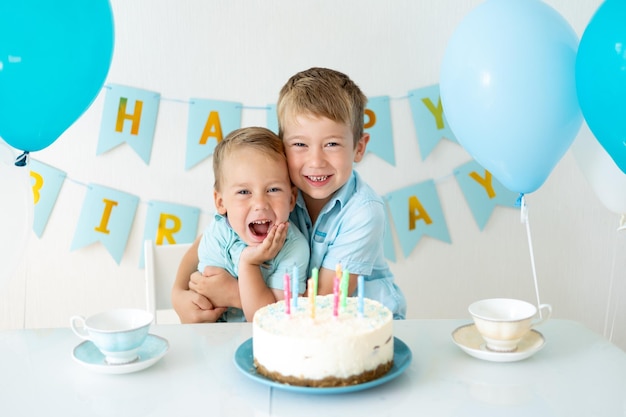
[(622, 222), (524, 219), (22, 160), (608, 333)]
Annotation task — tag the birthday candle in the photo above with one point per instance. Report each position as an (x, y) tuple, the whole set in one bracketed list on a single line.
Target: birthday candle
[(338, 271), (311, 298), (345, 281), (336, 297), (315, 274), (295, 286), (361, 284), (287, 294)]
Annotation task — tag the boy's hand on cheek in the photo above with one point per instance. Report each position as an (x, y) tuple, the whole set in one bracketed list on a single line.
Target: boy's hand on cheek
[(269, 248)]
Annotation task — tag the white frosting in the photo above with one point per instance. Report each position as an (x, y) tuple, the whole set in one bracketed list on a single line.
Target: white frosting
[(324, 346)]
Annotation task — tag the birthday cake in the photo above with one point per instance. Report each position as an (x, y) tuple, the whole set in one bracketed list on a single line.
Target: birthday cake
[(322, 345)]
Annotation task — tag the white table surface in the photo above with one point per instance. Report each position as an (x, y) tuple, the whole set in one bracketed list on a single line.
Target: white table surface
[(577, 373)]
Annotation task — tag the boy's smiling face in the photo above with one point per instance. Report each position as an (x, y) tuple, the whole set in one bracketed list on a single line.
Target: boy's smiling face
[(320, 154), (256, 194)]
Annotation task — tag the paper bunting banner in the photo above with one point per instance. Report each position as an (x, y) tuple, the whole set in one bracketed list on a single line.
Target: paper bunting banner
[(416, 211), (168, 224), (482, 191), (430, 122), (46, 182), (129, 115), (378, 125), (209, 122), (107, 216)]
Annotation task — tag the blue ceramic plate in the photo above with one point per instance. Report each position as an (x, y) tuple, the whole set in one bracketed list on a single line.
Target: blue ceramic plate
[(153, 349), (401, 360)]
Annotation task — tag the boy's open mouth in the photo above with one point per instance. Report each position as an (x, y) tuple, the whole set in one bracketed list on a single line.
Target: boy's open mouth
[(260, 227)]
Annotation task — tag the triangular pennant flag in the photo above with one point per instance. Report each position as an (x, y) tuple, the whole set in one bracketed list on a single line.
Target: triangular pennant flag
[(107, 217), (429, 119), (482, 191), (209, 122), (46, 182), (416, 211), (378, 125), (169, 224), (129, 115)]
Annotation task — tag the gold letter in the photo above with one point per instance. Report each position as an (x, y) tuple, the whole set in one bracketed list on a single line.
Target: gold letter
[(122, 115), (417, 212), (485, 182), (106, 215), (436, 111), (213, 127), (38, 185), (371, 119), (164, 232)]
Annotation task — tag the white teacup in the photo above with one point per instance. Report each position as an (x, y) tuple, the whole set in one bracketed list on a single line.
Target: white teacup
[(118, 334), (503, 322)]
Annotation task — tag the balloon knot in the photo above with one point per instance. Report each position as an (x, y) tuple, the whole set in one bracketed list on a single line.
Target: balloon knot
[(518, 202), (22, 160)]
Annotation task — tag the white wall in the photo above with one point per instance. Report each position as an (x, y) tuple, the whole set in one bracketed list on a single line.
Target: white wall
[(244, 51)]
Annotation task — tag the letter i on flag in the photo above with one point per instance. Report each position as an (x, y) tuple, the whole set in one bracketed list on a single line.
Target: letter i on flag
[(106, 217)]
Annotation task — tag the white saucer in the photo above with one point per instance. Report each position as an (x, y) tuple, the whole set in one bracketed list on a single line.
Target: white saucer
[(467, 338), (153, 349)]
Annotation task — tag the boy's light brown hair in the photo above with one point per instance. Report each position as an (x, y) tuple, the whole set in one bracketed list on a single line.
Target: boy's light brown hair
[(257, 138), (322, 92)]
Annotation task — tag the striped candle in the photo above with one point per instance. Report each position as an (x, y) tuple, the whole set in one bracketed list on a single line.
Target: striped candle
[(345, 282), (287, 294), (336, 298), (295, 286), (315, 272), (360, 291), (311, 298)]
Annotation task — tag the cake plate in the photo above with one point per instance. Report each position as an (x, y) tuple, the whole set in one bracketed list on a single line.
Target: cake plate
[(244, 361)]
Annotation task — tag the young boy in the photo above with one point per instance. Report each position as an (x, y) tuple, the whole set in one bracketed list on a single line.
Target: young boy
[(321, 116), (250, 237)]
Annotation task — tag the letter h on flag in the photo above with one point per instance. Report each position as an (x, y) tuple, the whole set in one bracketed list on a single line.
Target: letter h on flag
[(129, 115)]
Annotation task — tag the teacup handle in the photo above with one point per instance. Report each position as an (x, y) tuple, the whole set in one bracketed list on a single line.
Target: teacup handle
[(545, 311), (81, 330)]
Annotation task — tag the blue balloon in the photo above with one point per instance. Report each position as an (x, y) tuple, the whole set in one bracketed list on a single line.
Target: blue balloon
[(54, 58), (508, 89), (601, 78)]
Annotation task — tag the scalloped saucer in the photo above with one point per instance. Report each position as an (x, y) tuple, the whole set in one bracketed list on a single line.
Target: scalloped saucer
[(153, 349), (467, 338)]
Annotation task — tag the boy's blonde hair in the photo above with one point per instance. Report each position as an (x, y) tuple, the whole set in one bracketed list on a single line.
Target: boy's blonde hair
[(258, 138), (322, 92)]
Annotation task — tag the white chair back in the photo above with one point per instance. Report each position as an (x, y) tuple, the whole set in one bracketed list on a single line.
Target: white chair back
[(161, 263)]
